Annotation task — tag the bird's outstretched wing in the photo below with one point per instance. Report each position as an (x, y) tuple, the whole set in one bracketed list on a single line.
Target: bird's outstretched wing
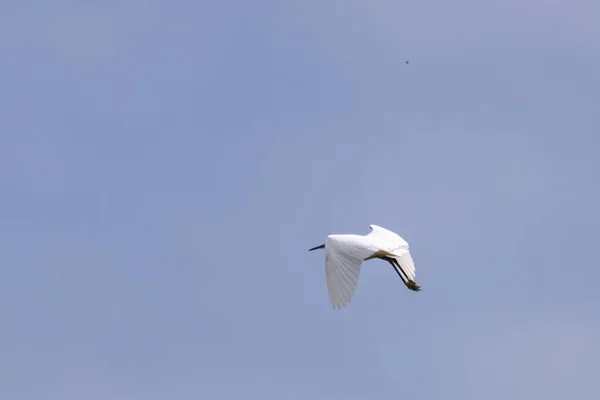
[(392, 243), (387, 238), (342, 269)]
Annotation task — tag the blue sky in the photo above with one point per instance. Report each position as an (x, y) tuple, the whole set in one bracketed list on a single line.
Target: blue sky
[(165, 166)]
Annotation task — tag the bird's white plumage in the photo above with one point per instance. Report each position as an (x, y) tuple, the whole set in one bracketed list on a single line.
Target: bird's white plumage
[(392, 243), (344, 255), (386, 238)]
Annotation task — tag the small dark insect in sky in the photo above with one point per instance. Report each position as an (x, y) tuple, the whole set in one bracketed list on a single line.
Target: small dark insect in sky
[(407, 61)]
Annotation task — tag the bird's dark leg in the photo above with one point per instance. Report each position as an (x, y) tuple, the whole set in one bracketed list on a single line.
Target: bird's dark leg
[(412, 285), (397, 268)]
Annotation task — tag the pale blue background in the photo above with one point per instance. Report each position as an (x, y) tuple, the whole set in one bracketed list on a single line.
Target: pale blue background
[(165, 166)]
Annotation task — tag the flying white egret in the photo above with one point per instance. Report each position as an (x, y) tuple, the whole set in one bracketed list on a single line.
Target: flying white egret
[(345, 253)]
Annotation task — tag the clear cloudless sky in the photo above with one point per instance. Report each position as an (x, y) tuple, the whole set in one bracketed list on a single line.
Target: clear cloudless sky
[(166, 165)]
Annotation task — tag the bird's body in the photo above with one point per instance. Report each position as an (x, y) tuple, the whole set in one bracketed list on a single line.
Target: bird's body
[(344, 255)]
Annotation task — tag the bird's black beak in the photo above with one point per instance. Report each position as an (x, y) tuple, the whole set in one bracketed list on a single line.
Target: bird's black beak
[(318, 247)]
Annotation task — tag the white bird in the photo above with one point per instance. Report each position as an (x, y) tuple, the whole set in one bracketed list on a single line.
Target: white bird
[(344, 255)]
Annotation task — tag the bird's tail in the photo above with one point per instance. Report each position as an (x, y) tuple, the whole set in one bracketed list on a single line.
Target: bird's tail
[(406, 262)]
